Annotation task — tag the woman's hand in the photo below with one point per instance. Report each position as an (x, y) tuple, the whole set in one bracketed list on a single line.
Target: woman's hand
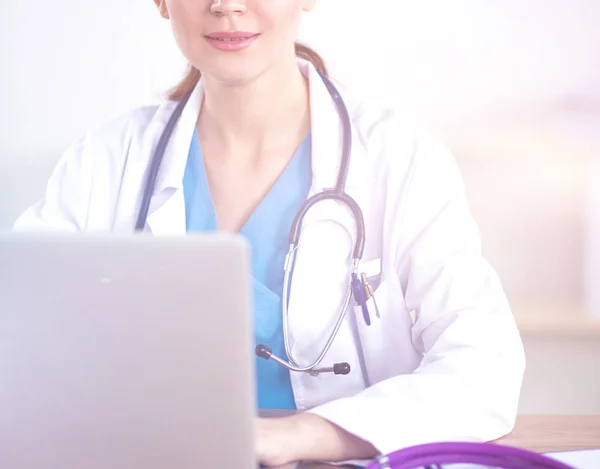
[(307, 437)]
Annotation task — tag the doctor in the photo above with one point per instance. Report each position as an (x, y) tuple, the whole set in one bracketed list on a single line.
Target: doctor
[(442, 359)]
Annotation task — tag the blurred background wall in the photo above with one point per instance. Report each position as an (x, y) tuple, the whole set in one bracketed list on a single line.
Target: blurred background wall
[(512, 86)]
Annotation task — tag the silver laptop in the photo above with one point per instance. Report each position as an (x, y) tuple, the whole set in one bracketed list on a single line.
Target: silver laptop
[(125, 353)]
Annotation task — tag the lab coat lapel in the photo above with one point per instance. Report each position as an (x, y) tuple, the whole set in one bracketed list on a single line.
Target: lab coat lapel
[(323, 262), (167, 210)]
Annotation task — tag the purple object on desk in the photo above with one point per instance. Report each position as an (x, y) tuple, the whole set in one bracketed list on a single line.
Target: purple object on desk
[(484, 454)]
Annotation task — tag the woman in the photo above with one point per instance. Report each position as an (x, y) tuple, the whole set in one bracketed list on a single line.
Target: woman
[(442, 358)]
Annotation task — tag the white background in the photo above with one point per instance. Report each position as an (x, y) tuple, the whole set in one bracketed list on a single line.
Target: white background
[(69, 64)]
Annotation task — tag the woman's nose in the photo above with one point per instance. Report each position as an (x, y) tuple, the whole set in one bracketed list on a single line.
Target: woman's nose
[(228, 7)]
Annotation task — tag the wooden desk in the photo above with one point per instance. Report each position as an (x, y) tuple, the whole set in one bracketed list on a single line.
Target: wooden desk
[(540, 433), (544, 433)]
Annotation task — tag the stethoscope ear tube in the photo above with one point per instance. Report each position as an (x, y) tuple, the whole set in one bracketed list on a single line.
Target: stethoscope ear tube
[(340, 185), (482, 454)]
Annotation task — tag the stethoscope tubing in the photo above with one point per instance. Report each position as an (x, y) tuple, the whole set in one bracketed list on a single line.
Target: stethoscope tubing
[(285, 317), (156, 163), (343, 198), (337, 194), (485, 454)]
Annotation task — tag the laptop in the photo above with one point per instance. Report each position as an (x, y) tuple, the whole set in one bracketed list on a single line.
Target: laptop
[(125, 352)]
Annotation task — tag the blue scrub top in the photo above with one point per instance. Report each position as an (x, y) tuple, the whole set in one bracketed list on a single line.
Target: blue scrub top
[(267, 231)]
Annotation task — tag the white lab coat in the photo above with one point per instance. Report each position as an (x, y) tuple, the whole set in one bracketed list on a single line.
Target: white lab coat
[(452, 373)]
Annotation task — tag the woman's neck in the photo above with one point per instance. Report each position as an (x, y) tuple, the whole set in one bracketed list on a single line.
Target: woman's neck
[(256, 113)]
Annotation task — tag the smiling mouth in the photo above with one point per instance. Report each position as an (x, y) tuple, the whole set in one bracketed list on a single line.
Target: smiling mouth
[(230, 39)]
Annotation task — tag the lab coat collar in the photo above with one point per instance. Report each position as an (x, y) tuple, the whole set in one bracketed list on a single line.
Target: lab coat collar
[(326, 137), (167, 209)]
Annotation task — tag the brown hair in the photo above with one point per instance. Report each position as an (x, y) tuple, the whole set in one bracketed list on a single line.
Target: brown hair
[(193, 74)]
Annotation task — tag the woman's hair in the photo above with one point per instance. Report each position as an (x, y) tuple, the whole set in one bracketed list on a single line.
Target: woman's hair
[(193, 74)]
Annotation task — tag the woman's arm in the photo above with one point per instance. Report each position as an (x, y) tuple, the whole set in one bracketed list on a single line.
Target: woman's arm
[(84, 189), (307, 437), (468, 383)]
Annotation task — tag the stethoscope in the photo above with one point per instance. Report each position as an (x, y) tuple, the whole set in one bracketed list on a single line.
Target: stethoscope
[(465, 456), (358, 285)]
